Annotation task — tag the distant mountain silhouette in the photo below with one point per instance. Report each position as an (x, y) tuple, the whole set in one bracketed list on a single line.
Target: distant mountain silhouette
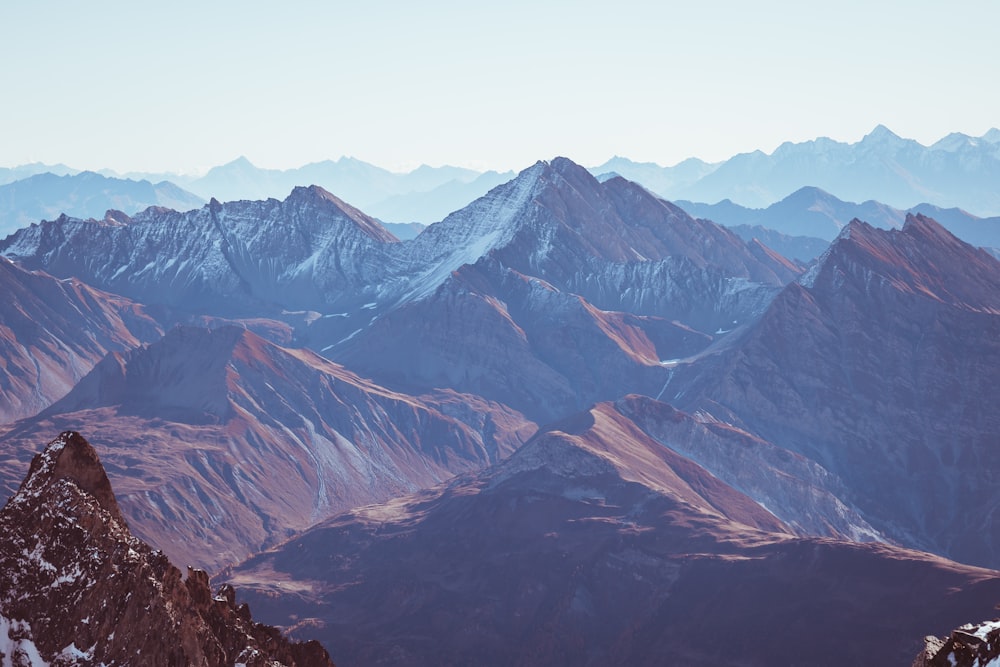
[(812, 212), (86, 194), (958, 171)]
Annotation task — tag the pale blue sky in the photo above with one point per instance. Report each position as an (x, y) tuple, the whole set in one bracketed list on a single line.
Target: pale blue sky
[(184, 85)]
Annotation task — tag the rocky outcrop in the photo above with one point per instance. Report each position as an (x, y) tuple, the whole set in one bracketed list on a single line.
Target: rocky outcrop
[(77, 588), (971, 645)]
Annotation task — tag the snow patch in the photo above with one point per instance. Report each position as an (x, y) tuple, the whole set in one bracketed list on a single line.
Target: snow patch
[(15, 639)]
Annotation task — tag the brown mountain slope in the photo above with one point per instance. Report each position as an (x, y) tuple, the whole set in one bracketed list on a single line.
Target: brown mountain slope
[(595, 545), (224, 443), (52, 332)]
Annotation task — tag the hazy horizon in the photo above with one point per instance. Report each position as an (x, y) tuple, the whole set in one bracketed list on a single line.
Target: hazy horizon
[(183, 87)]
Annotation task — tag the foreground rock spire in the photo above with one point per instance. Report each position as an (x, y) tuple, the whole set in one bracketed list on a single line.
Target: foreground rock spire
[(76, 588)]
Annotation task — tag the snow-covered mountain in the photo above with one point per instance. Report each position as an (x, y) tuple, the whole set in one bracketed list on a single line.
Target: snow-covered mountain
[(583, 286), (311, 250), (612, 243)]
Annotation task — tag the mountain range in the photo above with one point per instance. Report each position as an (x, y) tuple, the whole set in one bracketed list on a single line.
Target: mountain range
[(670, 442), (957, 171), (46, 195)]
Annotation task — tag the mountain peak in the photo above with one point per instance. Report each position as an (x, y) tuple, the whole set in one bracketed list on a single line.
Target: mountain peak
[(881, 135), (315, 195), (70, 457), (922, 259)]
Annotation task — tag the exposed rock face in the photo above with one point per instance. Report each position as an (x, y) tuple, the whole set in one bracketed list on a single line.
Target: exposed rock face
[(223, 443), (76, 588), (881, 366), (972, 645), (595, 545), (52, 332)]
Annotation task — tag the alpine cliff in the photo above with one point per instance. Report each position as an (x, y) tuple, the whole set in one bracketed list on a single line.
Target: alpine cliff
[(76, 588)]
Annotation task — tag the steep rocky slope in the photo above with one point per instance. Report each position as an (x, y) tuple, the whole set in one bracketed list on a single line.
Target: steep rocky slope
[(881, 365), (76, 588), (595, 545), (224, 443), (52, 332)]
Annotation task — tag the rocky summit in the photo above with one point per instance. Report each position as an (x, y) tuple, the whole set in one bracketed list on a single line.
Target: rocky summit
[(76, 588)]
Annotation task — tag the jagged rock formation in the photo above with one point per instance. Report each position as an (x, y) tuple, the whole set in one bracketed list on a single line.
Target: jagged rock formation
[(223, 443), (596, 545), (972, 645), (76, 588)]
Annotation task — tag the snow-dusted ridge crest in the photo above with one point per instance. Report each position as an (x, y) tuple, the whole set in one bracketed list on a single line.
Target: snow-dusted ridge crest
[(329, 270), (310, 250)]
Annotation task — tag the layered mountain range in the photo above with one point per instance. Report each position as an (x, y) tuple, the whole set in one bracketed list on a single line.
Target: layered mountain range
[(48, 195), (812, 212), (612, 243), (723, 433), (77, 588)]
